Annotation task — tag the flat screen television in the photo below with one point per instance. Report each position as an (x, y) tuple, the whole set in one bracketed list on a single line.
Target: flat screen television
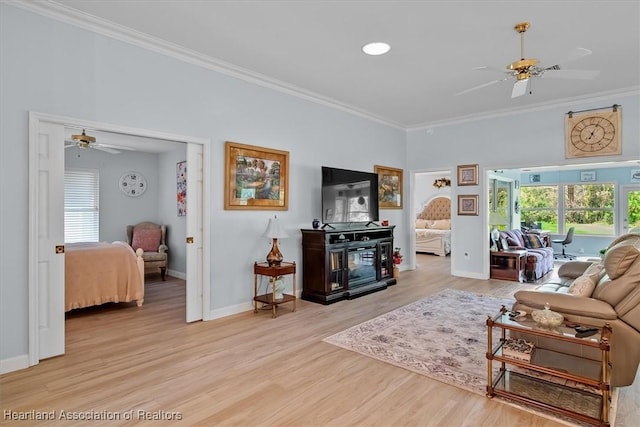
[(349, 196)]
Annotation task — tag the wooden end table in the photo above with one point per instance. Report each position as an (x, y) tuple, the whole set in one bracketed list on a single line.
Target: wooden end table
[(508, 265), (273, 272)]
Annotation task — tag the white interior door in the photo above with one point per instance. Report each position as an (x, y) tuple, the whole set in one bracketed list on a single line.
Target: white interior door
[(194, 232), (47, 175), (630, 215)]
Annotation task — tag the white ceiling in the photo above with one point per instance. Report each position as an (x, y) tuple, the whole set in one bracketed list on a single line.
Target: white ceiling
[(313, 48)]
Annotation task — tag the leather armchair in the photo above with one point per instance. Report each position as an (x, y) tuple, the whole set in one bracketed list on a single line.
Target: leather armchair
[(151, 237), (615, 299)]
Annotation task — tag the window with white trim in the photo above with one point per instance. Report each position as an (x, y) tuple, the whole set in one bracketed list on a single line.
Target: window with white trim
[(81, 205)]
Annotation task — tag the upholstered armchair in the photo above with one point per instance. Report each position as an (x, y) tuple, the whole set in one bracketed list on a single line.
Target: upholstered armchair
[(151, 238)]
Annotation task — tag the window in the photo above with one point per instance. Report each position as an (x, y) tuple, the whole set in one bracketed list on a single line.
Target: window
[(500, 200), (589, 208), (539, 205), (81, 207)]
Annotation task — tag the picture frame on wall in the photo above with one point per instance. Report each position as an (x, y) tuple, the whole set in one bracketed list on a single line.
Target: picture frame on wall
[(468, 204), (468, 174), (389, 187), (181, 187), (255, 178), (587, 176), (634, 176)]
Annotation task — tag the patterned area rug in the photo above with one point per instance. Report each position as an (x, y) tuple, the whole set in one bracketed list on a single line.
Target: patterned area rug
[(442, 337)]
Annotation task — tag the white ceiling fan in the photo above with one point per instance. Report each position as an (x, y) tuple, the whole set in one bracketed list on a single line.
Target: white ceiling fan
[(86, 141), (525, 68)]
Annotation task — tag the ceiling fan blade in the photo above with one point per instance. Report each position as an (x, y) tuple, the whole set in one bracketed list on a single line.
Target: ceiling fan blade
[(105, 149), (519, 88), (490, 68), (480, 86), (69, 146), (571, 74)]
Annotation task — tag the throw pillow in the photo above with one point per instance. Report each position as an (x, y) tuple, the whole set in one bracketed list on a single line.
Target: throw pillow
[(442, 224), (619, 258), (582, 286), (532, 241), (146, 238)]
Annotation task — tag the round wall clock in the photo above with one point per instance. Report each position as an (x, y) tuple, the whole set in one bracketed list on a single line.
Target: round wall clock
[(133, 184), (593, 133)]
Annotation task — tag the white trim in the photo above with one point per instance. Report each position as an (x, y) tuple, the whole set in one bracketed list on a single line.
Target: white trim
[(469, 274), (35, 119), (14, 363), (124, 34), (177, 274), (228, 311)]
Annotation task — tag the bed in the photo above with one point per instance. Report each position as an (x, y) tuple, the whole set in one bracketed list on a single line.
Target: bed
[(97, 273), (433, 227)]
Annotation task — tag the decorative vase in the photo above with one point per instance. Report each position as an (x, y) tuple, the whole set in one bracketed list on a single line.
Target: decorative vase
[(396, 272), (315, 223), (279, 289)]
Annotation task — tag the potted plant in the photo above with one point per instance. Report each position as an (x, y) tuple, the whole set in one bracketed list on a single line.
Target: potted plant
[(397, 260), (602, 252)]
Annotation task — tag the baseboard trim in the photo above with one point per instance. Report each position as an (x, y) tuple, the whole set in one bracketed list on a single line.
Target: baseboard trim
[(228, 311), (14, 364), (177, 274), (468, 274)]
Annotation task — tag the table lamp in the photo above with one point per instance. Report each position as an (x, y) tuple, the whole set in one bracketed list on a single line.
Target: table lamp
[(496, 219), (275, 232)]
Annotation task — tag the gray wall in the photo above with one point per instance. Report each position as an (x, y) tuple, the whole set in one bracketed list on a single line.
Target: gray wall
[(51, 67)]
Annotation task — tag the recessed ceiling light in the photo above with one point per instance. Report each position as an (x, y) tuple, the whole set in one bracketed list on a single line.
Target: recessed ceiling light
[(376, 48)]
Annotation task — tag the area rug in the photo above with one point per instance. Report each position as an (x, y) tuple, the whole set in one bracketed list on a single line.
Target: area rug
[(442, 336)]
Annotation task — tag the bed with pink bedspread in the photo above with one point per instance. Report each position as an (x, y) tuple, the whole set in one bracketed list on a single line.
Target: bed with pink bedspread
[(97, 273)]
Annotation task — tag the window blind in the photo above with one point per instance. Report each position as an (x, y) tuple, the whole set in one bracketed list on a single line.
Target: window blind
[(81, 206)]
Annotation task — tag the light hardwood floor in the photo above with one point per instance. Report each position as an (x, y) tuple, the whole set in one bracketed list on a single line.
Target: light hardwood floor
[(252, 370)]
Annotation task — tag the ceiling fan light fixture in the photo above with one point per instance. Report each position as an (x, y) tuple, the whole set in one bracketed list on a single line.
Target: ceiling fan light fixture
[(376, 48)]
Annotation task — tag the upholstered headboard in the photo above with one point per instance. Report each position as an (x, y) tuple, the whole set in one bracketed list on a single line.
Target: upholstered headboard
[(437, 208)]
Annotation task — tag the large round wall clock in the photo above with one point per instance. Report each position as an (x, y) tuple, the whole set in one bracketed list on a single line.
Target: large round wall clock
[(593, 133), (133, 184)]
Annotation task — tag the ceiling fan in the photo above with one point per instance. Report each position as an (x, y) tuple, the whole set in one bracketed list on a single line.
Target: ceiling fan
[(525, 68), (86, 141)]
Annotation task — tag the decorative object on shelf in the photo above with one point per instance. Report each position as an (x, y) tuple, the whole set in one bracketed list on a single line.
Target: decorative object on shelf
[(468, 204), (279, 288), (520, 349), (133, 184), (468, 174), (442, 182), (274, 232), (389, 187), (496, 219), (315, 223), (397, 260), (181, 178), (587, 176), (595, 132), (546, 318), (255, 177), (384, 223)]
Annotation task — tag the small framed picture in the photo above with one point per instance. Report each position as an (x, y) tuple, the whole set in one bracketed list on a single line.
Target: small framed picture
[(534, 178), (587, 176), (635, 175), (468, 204), (504, 246), (468, 174)]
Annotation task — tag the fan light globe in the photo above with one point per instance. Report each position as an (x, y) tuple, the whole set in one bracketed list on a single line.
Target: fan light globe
[(376, 48)]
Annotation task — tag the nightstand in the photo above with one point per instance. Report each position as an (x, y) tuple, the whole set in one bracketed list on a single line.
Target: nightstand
[(273, 272)]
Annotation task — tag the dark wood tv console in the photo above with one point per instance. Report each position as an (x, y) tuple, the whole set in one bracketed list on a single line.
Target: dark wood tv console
[(347, 262)]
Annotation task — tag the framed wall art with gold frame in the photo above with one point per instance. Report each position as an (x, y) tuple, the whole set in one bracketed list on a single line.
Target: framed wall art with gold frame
[(468, 174), (593, 133), (389, 187), (468, 204), (255, 177)]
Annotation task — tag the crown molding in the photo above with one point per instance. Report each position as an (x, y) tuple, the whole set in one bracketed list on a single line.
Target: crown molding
[(566, 102), (68, 15)]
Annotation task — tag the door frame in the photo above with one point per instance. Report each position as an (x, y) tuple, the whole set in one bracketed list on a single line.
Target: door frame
[(35, 118)]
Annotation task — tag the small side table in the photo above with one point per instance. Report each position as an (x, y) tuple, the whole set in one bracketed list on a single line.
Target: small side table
[(508, 265), (273, 271)]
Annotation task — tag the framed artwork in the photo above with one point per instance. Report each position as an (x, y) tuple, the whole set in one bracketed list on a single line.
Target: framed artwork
[(593, 132), (534, 178), (586, 176), (255, 177), (468, 174), (468, 204), (181, 187), (389, 187), (635, 175)]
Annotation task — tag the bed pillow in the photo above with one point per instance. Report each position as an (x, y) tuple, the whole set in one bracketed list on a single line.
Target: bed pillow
[(146, 238), (442, 224), (421, 223)]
